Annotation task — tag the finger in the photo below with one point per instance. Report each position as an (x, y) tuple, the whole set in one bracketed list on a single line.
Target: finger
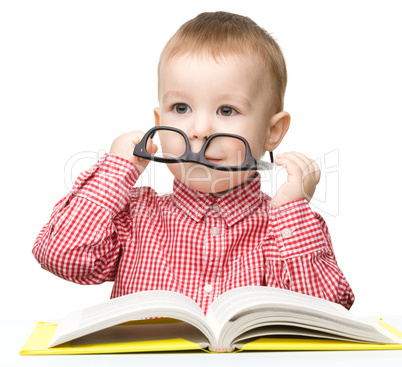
[(294, 165), (306, 164), (136, 140), (135, 136), (151, 147), (309, 167), (317, 170), (306, 160)]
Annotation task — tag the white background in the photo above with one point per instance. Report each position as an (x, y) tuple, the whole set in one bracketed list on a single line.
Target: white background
[(76, 74)]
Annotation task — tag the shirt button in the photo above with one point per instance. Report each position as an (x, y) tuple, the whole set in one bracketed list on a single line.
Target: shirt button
[(215, 207), (215, 231), (208, 288), (286, 233)]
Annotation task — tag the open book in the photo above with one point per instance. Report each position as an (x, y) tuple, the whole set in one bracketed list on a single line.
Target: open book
[(236, 318)]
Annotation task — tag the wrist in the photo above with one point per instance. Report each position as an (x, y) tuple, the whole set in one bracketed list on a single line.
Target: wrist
[(110, 182), (276, 203), (126, 162)]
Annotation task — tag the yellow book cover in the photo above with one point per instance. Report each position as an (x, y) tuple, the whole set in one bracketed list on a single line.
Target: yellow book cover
[(37, 343), (99, 344)]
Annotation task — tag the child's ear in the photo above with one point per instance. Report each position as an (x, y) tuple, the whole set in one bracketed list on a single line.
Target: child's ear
[(278, 127), (157, 115)]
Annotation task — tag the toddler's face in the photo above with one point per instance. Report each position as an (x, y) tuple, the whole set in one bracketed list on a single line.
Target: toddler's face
[(202, 97)]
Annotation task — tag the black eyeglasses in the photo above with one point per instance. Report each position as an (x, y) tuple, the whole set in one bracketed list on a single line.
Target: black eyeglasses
[(224, 152)]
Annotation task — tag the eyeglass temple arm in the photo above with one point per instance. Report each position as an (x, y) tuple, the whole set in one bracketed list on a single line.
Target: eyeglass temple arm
[(263, 165)]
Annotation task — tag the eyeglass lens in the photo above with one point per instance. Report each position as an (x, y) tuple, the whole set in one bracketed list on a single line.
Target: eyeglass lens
[(222, 150)]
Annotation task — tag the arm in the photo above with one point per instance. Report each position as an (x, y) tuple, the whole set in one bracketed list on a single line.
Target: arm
[(82, 240), (81, 243), (300, 256)]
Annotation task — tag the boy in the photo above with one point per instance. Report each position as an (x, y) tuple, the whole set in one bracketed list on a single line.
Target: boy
[(220, 73)]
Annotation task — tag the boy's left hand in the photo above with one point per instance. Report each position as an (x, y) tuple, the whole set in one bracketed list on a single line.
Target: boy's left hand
[(303, 177)]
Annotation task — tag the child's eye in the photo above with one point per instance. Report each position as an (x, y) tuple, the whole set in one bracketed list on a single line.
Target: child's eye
[(181, 108), (226, 111)]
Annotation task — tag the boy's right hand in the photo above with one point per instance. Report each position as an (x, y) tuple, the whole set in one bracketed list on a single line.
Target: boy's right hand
[(123, 146)]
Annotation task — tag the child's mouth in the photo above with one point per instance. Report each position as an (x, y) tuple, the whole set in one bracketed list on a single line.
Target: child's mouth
[(213, 160)]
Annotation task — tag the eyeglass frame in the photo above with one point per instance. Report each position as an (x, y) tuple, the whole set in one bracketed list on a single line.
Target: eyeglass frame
[(249, 163)]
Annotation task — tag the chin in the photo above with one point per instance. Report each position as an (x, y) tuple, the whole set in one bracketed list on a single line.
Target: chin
[(207, 187), (207, 180)]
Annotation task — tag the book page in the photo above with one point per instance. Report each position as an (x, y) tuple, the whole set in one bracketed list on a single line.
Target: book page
[(238, 302), (134, 306), (284, 330), (241, 309), (144, 331)]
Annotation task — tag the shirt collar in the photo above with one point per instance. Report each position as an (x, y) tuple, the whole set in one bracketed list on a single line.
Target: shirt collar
[(234, 205)]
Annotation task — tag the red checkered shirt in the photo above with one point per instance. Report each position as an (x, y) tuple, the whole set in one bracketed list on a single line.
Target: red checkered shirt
[(187, 241)]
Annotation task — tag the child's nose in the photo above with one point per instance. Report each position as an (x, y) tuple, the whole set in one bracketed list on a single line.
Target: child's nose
[(201, 130)]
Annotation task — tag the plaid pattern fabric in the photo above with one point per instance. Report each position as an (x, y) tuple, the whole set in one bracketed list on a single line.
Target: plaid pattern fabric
[(187, 241)]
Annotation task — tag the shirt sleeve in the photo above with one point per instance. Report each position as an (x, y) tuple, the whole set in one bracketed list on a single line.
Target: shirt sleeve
[(80, 242), (300, 257)]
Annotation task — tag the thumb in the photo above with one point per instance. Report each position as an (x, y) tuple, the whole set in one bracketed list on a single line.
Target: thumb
[(154, 148)]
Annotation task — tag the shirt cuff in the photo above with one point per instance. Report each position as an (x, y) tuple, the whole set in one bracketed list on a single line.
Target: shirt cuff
[(107, 183), (296, 229)]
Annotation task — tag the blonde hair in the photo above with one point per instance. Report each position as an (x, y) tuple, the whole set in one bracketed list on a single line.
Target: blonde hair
[(221, 33)]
